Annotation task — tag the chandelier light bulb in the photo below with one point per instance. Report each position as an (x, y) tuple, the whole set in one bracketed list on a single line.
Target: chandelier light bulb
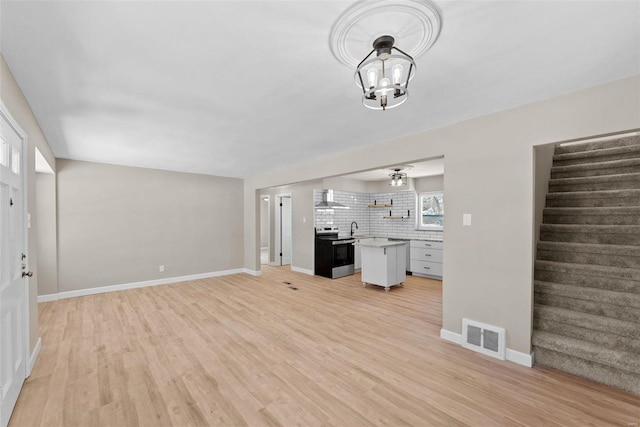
[(396, 73), (399, 181), (372, 76)]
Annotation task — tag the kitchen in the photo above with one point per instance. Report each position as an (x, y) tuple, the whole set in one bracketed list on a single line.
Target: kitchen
[(356, 191)]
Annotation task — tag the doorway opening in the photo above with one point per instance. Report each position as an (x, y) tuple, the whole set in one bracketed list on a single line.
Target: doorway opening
[(283, 233)]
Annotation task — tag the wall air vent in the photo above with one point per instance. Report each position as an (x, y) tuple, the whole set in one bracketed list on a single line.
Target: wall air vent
[(483, 338)]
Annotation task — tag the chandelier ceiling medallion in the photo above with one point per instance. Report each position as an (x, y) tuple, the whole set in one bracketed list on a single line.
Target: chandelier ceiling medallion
[(384, 73)]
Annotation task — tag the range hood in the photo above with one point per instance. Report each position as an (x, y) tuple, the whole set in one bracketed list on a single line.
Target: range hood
[(328, 203)]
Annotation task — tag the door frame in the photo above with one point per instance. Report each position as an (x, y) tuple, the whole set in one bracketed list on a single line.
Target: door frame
[(4, 112), (278, 233)]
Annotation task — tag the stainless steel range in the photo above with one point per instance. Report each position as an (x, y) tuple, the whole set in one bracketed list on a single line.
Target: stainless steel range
[(334, 256)]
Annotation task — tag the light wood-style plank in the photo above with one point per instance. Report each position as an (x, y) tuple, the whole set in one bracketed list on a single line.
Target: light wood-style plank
[(243, 350)]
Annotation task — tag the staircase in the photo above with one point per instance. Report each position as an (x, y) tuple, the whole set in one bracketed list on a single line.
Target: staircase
[(587, 272)]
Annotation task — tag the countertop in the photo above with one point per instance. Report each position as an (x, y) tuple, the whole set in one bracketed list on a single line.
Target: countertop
[(383, 244), (425, 239)]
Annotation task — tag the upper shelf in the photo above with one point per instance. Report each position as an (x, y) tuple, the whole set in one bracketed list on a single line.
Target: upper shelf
[(375, 204)]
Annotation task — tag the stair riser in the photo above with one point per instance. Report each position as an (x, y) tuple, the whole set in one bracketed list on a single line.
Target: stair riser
[(589, 146), (628, 314), (591, 219), (631, 184), (580, 173), (623, 261), (614, 342), (575, 278), (580, 201), (599, 238), (594, 371), (589, 159)]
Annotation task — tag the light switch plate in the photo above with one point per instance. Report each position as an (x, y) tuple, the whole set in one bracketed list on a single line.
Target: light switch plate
[(466, 220), (161, 268)]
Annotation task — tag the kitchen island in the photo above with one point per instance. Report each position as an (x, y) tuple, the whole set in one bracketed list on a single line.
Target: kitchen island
[(384, 263)]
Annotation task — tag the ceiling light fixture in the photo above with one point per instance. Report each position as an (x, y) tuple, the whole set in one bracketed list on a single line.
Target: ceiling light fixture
[(398, 178), (381, 92), (384, 77)]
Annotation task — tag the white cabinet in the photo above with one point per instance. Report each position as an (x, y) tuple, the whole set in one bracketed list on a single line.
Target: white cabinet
[(358, 251), (384, 265), (426, 258)]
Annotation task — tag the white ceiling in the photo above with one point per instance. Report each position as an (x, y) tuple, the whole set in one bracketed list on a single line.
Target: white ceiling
[(236, 88)]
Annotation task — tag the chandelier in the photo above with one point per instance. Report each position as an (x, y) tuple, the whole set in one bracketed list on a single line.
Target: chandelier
[(398, 178), (387, 75), (384, 73)]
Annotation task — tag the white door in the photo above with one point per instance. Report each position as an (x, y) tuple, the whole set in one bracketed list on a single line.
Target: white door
[(12, 283), (285, 230)]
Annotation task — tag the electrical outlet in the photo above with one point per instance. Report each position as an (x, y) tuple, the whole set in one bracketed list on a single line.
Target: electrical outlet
[(161, 268)]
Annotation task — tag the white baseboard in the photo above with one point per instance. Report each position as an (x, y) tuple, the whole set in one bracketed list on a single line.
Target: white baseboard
[(302, 270), (252, 272), (124, 286), (34, 356), (47, 298), (451, 336), (523, 359), (274, 264)]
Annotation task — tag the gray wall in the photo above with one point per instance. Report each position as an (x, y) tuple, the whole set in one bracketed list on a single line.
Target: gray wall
[(47, 239), (117, 224), (264, 223), (488, 267), (430, 183), (19, 108)]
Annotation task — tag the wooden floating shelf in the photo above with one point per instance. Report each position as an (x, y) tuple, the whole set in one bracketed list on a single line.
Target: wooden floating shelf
[(397, 216), (384, 205)]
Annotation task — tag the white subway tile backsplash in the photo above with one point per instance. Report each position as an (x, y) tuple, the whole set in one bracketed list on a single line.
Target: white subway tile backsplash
[(370, 220)]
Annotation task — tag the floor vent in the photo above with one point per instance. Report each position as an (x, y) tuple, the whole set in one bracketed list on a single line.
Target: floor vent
[(483, 338)]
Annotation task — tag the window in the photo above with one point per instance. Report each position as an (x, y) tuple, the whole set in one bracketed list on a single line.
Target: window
[(431, 211)]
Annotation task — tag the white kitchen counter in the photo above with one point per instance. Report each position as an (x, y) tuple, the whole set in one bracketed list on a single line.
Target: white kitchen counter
[(382, 244), (383, 263)]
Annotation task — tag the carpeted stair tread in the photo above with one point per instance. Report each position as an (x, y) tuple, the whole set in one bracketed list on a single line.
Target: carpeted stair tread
[(589, 146), (604, 339), (594, 183), (622, 197), (628, 235), (606, 296), (612, 167), (612, 311), (594, 156), (586, 350), (618, 215), (587, 369), (623, 328), (622, 256), (593, 276)]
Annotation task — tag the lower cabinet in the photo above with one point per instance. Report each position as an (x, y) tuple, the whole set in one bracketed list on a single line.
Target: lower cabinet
[(384, 266), (426, 258)]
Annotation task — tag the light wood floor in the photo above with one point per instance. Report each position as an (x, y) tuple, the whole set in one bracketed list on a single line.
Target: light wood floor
[(241, 350)]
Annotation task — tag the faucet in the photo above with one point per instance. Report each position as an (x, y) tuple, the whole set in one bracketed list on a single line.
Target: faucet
[(352, 227)]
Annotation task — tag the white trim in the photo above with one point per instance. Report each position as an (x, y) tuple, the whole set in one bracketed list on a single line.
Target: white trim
[(513, 356), (523, 359), (125, 286), (274, 264), (34, 356), (278, 228), (48, 297), (302, 270), (451, 336), (252, 272)]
